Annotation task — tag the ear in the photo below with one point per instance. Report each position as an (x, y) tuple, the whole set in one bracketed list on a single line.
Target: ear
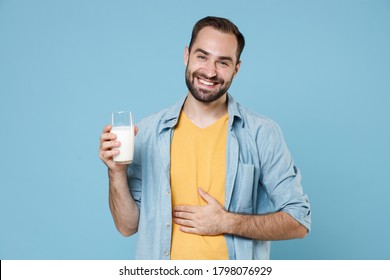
[(237, 68), (186, 55)]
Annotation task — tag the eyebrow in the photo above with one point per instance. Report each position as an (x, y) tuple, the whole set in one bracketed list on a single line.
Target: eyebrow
[(207, 53)]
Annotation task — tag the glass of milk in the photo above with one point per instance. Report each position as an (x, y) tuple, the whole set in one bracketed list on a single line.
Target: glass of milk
[(123, 128)]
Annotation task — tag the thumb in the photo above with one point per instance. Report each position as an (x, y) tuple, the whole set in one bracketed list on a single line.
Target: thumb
[(206, 197)]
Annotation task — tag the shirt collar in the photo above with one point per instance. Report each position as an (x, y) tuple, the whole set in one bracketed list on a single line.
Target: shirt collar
[(171, 117), (233, 111)]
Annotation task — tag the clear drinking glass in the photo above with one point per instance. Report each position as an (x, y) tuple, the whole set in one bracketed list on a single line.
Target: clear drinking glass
[(123, 128)]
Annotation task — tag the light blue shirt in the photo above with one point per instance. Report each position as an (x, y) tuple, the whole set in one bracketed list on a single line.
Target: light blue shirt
[(260, 178)]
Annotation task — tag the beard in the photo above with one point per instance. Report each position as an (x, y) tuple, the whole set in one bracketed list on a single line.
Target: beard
[(205, 95)]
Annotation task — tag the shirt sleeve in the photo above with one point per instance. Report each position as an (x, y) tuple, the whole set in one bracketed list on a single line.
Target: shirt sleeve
[(281, 178)]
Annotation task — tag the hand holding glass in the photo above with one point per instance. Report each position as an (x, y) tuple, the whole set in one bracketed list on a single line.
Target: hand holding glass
[(123, 128)]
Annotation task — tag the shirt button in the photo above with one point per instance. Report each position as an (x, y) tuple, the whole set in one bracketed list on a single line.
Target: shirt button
[(167, 224), (166, 253)]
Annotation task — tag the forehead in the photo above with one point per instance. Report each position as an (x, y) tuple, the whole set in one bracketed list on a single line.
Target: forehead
[(216, 42)]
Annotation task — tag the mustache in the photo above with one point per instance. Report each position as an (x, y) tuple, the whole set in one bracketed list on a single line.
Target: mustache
[(202, 75)]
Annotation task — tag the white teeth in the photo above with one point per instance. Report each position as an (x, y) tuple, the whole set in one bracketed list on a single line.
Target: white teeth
[(206, 83)]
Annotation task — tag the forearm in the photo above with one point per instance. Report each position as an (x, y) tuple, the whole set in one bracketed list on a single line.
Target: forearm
[(123, 208), (274, 226)]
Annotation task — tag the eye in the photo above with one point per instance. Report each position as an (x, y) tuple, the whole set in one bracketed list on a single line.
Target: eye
[(224, 63), (201, 57)]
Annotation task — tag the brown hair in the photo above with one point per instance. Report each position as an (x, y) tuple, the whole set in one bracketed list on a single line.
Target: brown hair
[(220, 24)]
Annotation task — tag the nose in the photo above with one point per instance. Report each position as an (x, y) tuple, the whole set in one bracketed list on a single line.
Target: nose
[(210, 69)]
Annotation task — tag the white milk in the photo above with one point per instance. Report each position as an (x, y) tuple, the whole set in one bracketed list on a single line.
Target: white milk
[(125, 135)]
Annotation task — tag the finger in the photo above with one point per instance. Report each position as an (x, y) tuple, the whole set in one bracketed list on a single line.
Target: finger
[(135, 130), (107, 137), (108, 145), (183, 215), (190, 230), (183, 222), (185, 208), (107, 128), (107, 155)]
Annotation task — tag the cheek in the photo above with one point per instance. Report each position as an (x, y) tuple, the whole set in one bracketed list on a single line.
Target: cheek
[(227, 75), (193, 65)]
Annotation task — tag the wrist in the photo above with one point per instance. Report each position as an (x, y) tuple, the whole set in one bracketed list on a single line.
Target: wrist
[(117, 173), (228, 221)]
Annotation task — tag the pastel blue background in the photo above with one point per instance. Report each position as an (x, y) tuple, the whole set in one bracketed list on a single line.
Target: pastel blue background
[(321, 69)]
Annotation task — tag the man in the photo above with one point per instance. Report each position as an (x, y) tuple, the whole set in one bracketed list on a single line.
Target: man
[(209, 180)]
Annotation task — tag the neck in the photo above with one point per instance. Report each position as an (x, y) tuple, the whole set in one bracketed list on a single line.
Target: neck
[(204, 114)]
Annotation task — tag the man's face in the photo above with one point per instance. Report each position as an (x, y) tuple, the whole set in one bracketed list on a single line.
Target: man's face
[(211, 64)]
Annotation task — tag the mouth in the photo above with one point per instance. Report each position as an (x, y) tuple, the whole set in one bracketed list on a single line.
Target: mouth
[(207, 83)]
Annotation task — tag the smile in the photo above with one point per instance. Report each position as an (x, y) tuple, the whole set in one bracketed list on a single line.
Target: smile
[(206, 83)]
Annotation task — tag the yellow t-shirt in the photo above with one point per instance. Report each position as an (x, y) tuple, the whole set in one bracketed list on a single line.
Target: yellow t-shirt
[(198, 160)]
